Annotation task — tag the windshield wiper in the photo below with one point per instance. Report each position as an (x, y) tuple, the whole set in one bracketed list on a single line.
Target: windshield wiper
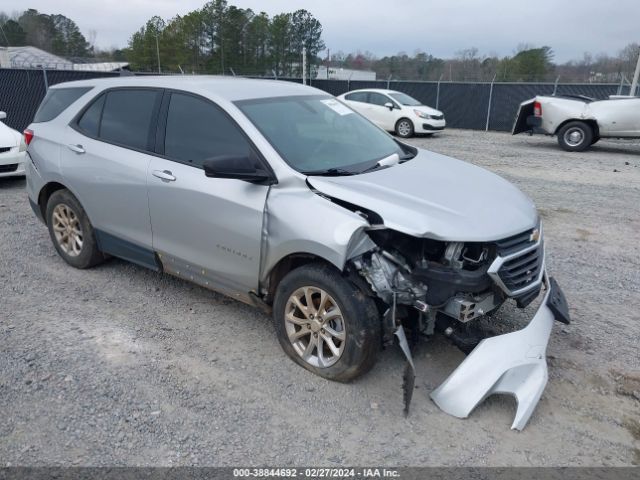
[(330, 172)]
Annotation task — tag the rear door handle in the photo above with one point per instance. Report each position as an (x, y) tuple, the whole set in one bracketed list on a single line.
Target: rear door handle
[(164, 175), (76, 148)]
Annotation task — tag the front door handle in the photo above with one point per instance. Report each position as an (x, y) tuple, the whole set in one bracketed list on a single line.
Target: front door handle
[(76, 148), (164, 175)]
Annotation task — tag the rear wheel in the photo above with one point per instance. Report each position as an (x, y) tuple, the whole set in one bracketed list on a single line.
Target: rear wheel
[(575, 136), (325, 323), (404, 128), (71, 232)]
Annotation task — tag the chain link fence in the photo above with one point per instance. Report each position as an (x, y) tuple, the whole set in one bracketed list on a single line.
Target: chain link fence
[(474, 105)]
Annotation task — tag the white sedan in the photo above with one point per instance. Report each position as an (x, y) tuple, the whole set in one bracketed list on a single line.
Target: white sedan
[(12, 150), (395, 111)]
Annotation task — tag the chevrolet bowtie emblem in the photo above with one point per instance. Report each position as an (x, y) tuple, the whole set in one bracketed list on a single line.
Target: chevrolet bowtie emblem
[(535, 235)]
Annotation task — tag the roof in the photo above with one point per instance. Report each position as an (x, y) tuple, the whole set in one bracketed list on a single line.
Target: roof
[(377, 90), (229, 88)]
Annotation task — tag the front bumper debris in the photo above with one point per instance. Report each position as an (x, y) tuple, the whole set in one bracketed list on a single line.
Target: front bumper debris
[(513, 363)]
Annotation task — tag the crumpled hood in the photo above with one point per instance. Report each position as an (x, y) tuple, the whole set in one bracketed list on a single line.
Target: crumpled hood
[(437, 197)]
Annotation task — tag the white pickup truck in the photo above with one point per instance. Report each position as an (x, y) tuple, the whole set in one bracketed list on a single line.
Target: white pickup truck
[(579, 121)]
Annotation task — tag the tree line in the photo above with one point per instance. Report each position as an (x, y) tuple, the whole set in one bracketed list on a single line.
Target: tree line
[(56, 34), (222, 38), (527, 64)]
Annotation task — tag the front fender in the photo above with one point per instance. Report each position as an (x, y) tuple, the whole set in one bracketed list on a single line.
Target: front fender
[(297, 220)]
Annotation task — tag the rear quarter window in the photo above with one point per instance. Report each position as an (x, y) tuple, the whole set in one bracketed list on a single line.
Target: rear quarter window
[(56, 101), (357, 97), (89, 122)]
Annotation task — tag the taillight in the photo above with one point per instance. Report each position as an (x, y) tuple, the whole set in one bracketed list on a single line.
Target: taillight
[(537, 109), (28, 136)]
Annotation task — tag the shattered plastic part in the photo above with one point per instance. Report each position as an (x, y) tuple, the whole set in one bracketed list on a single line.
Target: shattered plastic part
[(513, 364), (409, 375)]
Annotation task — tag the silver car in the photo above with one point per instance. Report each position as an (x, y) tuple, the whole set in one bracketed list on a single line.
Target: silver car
[(282, 197)]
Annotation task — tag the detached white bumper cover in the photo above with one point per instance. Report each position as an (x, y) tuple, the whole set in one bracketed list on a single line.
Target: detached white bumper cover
[(513, 363)]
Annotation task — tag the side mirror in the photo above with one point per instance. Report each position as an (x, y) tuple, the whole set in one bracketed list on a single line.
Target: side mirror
[(236, 167), (389, 105), (3, 115)]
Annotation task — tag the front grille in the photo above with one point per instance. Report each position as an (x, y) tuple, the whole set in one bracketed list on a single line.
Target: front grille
[(515, 243), (437, 117), (520, 272), (8, 168), (4, 149), (426, 126)]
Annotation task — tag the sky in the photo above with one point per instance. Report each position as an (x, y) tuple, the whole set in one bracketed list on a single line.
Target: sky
[(440, 27)]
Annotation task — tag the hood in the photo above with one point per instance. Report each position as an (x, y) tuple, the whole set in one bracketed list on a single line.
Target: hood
[(8, 136), (426, 109), (437, 197)]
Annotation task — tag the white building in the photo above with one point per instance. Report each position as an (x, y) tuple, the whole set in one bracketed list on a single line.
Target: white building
[(344, 74)]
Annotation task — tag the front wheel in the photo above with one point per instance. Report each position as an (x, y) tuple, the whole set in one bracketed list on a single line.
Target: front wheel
[(404, 128), (575, 136), (325, 323)]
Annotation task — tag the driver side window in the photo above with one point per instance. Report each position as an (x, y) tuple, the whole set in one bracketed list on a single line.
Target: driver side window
[(197, 130), (378, 99)]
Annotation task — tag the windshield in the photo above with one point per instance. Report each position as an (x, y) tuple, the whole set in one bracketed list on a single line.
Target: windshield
[(405, 99), (318, 134)]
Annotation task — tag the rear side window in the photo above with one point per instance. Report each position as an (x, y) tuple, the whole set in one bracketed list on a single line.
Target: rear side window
[(89, 123), (127, 116), (56, 101), (198, 130), (357, 97)]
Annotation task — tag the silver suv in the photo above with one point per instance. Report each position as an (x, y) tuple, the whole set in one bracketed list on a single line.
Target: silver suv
[(280, 196)]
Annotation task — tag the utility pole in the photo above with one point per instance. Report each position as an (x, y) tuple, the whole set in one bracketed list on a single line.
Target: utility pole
[(328, 62), (304, 65), (634, 83), (158, 52)]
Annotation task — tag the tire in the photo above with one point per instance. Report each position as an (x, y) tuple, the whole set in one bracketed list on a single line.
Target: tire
[(404, 128), (575, 136), (356, 323), (65, 215), (595, 140)]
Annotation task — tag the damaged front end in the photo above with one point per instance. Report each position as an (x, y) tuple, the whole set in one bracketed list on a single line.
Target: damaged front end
[(426, 285)]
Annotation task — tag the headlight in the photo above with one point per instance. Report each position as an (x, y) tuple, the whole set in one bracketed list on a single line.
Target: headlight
[(23, 145), (421, 114)]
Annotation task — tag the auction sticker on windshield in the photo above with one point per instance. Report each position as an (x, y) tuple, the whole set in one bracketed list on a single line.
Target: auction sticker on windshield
[(337, 107)]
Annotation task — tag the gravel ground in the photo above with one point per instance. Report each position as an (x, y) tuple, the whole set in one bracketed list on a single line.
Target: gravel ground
[(122, 366)]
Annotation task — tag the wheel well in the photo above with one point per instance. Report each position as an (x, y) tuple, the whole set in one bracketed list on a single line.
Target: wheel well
[(45, 194), (592, 123), (404, 118), (284, 266)]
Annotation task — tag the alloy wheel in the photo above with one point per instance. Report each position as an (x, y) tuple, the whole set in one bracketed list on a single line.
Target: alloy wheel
[(315, 326), (67, 230)]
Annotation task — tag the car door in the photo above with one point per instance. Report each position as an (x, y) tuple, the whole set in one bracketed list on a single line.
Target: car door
[(618, 117), (105, 162), (358, 101), (207, 230), (379, 113)]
